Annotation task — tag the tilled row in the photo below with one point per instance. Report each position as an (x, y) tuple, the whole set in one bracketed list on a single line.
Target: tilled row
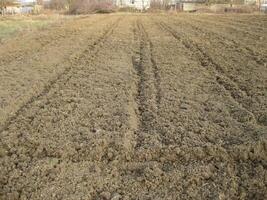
[(248, 36), (143, 112), (39, 41), (232, 45), (252, 105), (195, 144), (24, 79), (148, 94), (51, 130)]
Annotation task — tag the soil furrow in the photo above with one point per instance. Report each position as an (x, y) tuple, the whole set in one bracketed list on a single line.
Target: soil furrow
[(155, 68), (57, 38), (92, 48), (233, 44), (134, 108), (242, 37), (148, 95), (206, 61), (229, 26), (138, 64), (238, 23)]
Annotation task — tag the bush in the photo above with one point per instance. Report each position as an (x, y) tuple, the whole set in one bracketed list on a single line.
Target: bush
[(91, 6)]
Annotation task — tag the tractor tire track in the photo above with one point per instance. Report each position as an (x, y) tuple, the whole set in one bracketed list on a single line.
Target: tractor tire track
[(92, 48), (154, 65), (207, 62), (148, 86)]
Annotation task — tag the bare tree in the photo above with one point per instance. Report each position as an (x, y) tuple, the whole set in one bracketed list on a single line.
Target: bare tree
[(58, 4), (159, 4)]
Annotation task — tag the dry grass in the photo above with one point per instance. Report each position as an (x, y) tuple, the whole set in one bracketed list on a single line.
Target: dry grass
[(11, 25)]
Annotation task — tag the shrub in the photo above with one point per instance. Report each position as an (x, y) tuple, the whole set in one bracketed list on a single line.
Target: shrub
[(91, 6)]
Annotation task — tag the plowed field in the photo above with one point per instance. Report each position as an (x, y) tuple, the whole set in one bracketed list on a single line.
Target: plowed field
[(136, 107)]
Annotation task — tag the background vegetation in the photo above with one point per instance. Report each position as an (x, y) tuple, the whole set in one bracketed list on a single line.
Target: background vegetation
[(10, 26)]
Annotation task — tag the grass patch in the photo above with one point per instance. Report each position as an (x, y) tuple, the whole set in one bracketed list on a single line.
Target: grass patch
[(11, 25)]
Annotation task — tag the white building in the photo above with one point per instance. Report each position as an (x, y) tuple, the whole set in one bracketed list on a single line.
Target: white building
[(21, 7), (263, 6), (138, 4)]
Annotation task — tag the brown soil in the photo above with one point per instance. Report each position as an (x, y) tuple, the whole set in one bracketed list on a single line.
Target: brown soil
[(136, 107)]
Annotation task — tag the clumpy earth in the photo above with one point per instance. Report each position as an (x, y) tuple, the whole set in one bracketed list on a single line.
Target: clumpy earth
[(136, 107)]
